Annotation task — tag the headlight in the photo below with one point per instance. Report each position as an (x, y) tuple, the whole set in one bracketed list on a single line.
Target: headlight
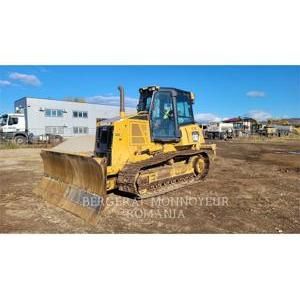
[(195, 136)]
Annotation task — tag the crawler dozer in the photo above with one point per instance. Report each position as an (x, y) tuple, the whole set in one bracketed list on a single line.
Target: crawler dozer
[(159, 149)]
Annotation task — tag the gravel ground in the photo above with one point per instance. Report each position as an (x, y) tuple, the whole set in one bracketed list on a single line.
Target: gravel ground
[(252, 188)]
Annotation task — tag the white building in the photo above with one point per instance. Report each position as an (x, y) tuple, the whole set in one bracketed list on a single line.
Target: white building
[(65, 118)]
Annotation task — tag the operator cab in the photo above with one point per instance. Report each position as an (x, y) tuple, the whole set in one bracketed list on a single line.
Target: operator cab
[(168, 109), (9, 120)]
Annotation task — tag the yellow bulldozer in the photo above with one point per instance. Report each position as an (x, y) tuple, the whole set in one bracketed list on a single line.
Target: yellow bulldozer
[(159, 149)]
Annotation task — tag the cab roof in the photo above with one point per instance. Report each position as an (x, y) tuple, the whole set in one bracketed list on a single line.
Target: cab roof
[(154, 87)]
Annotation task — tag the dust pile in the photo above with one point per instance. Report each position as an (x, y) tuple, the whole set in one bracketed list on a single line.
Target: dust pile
[(78, 144)]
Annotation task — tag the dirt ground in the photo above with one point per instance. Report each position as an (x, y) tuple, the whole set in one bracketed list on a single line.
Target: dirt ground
[(253, 187)]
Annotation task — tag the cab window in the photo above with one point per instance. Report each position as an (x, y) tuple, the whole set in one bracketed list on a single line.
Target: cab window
[(184, 110), (163, 123), (13, 121), (144, 103), (3, 120)]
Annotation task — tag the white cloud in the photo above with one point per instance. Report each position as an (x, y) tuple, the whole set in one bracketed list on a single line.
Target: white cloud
[(27, 79), (5, 83), (207, 117), (256, 94), (259, 115), (112, 100)]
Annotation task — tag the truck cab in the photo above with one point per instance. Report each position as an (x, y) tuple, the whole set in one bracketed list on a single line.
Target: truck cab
[(12, 127), (219, 130)]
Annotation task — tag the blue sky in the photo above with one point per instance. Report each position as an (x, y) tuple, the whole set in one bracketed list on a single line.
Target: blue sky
[(221, 91)]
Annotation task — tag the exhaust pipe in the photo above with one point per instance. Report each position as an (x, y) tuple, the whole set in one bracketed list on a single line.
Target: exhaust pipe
[(122, 102)]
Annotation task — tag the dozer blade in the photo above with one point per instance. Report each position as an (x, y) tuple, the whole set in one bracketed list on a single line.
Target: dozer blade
[(76, 183)]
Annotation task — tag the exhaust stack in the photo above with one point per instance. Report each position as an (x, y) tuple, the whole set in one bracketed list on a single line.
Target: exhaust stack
[(122, 102)]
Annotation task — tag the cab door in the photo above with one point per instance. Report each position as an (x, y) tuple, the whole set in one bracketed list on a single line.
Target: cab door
[(13, 123), (163, 118)]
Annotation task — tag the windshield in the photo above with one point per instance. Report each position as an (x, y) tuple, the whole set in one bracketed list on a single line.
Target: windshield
[(3, 120)]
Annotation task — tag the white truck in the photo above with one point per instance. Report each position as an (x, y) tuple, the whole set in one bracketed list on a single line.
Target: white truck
[(275, 130), (13, 127), (219, 130)]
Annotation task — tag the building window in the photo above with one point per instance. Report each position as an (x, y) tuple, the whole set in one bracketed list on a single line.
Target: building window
[(54, 129), (47, 112), (80, 130), (54, 112), (80, 114)]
